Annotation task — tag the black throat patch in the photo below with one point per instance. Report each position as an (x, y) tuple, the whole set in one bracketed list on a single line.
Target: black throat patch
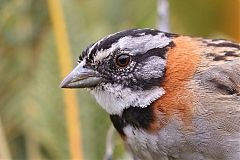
[(136, 117)]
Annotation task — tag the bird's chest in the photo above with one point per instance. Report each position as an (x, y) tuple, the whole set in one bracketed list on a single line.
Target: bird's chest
[(166, 144), (134, 125), (142, 144)]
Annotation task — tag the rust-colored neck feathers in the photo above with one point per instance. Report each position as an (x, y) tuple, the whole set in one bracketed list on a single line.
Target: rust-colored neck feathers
[(181, 65)]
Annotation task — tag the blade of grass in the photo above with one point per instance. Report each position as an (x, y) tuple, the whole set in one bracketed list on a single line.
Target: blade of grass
[(65, 63)]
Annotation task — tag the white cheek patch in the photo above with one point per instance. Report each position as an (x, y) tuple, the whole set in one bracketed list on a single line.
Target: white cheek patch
[(114, 99), (152, 68)]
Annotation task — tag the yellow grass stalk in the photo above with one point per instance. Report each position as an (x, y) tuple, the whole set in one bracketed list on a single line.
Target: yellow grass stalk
[(65, 63)]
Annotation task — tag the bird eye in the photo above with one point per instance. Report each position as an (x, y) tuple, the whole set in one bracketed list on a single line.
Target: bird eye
[(122, 60)]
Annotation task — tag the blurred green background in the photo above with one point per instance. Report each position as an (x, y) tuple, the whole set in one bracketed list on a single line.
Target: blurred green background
[(33, 124)]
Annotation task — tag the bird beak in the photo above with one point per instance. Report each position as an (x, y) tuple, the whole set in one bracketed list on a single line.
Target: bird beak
[(81, 77)]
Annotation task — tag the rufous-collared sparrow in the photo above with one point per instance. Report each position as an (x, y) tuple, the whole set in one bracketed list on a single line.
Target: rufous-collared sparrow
[(169, 96)]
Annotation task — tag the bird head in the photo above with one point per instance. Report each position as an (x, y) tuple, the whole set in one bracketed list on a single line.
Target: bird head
[(123, 69)]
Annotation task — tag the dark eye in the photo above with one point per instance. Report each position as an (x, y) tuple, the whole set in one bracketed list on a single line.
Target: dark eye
[(122, 60)]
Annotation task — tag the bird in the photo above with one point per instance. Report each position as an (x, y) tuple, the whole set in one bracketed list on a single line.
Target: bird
[(169, 96)]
